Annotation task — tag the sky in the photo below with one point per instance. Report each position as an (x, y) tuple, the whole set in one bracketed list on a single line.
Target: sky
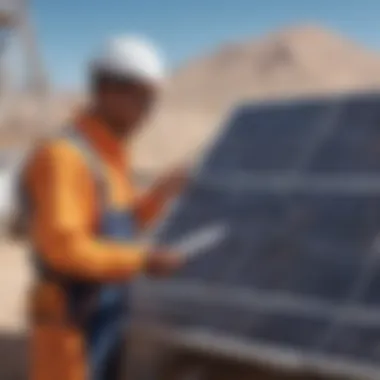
[(69, 31)]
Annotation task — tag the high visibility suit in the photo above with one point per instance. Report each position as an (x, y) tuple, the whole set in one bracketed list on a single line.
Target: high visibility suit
[(84, 214)]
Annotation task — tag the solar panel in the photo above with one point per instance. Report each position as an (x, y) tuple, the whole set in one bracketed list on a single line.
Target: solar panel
[(297, 184)]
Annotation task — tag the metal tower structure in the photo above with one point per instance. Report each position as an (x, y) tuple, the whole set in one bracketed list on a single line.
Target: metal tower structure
[(17, 34)]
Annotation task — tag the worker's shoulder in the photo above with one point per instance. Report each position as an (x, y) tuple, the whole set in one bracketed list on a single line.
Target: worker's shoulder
[(56, 151)]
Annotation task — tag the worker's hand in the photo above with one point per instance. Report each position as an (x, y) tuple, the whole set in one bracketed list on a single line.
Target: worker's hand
[(163, 262)]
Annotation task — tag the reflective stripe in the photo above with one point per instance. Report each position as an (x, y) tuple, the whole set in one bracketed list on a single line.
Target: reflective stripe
[(92, 161)]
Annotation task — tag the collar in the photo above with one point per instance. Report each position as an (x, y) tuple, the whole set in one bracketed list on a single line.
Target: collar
[(109, 146)]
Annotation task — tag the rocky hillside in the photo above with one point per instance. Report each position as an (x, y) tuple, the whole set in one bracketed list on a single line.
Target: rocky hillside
[(295, 60)]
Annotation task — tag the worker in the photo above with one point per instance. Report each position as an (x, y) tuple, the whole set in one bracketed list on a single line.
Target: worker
[(83, 217)]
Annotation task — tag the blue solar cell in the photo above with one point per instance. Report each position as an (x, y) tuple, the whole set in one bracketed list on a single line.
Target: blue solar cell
[(294, 331), (308, 244), (268, 138), (371, 294), (355, 147), (357, 342)]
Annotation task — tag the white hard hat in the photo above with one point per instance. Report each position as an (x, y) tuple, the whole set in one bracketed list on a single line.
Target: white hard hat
[(130, 57)]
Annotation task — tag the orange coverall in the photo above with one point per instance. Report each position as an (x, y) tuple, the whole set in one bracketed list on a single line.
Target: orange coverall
[(63, 195)]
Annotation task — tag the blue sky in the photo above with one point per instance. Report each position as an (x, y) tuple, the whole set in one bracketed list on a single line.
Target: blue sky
[(70, 30)]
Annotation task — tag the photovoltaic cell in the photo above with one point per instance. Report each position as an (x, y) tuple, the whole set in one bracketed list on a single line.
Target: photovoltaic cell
[(267, 138), (300, 265), (355, 148), (357, 342)]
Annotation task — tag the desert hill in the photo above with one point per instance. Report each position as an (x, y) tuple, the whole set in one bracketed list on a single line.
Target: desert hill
[(295, 60)]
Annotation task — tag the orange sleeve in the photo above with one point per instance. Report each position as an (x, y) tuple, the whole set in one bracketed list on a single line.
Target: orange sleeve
[(63, 204)]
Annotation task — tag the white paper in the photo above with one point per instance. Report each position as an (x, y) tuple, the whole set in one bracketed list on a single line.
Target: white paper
[(201, 240)]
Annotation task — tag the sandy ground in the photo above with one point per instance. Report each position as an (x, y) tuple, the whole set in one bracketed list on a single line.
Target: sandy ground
[(14, 280)]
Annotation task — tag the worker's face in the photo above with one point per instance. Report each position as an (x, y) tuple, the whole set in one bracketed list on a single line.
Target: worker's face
[(125, 104)]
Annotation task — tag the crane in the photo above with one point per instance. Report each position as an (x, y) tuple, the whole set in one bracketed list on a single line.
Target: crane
[(17, 32)]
